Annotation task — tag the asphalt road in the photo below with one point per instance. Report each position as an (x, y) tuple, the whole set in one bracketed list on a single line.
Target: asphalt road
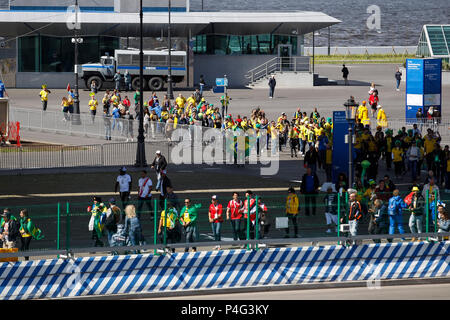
[(402, 292)]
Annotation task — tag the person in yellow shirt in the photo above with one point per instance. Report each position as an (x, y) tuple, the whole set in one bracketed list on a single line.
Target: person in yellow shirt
[(93, 103), (180, 101), (363, 114), (429, 142), (381, 117), (44, 96), (292, 204), (191, 99), (397, 157), (65, 108)]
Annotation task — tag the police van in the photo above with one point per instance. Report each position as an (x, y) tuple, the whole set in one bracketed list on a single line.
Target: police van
[(156, 66)]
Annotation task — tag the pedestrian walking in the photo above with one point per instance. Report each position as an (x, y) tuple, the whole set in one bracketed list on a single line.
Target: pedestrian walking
[(169, 221), (107, 124), (292, 206), (94, 88), (123, 181), (225, 102), (188, 217), (201, 84), (379, 223), (97, 222), (272, 84), (127, 78), (416, 208), (309, 187), (331, 209), (345, 74), (395, 210), (215, 219), (93, 104), (165, 185), (398, 78), (159, 163), (234, 214), (133, 227), (9, 230), (27, 231), (44, 96), (354, 216), (113, 218), (65, 109), (144, 194), (117, 79)]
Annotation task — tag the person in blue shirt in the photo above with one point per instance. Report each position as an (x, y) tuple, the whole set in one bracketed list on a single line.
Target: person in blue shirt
[(2, 90), (323, 142), (395, 208)]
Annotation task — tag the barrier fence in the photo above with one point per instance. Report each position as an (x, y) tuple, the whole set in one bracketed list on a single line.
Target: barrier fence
[(65, 224)]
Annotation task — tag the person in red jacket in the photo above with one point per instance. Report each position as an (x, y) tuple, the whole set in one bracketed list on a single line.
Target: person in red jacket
[(373, 101), (234, 211), (215, 218)]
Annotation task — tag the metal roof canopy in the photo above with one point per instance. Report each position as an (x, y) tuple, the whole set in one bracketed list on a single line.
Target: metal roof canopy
[(183, 23)]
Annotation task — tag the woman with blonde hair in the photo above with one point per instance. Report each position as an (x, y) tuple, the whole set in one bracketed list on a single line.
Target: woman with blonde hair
[(133, 226)]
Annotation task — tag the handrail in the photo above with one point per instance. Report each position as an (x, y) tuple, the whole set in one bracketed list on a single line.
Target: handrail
[(281, 241), (278, 64)]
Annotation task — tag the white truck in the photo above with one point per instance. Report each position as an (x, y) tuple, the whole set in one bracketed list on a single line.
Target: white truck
[(156, 66)]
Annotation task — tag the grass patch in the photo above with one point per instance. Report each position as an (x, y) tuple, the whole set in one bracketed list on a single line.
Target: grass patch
[(362, 58)]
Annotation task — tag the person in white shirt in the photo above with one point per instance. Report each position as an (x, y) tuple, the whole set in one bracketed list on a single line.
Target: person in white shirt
[(144, 194), (123, 181)]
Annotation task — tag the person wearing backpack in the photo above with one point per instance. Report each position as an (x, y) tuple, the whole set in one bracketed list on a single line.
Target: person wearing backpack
[(113, 218), (395, 207)]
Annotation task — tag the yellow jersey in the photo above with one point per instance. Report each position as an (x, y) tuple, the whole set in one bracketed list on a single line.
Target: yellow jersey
[(44, 95), (397, 154), (93, 104)]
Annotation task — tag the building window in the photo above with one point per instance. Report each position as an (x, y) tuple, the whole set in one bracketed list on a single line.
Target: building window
[(56, 54), (264, 44)]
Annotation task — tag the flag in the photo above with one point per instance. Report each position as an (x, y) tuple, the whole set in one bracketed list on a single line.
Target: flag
[(68, 87)]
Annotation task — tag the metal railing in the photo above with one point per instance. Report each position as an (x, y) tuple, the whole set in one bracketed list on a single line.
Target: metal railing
[(97, 126), (44, 157), (282, 64)]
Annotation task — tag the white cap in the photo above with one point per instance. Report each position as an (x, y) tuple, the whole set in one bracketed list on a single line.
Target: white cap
[(214, 197), (158, 152)]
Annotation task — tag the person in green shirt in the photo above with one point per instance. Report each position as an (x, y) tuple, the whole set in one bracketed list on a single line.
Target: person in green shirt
[(188, 217)]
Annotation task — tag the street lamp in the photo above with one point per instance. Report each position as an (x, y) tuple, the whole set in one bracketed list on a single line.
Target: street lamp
[(76, 119), (350, 115), (140, 153), (169, 69)]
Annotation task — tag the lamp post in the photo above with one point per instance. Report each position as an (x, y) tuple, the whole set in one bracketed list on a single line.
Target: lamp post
[(169, 69), (350, 115), (76, 120), (140, 153)]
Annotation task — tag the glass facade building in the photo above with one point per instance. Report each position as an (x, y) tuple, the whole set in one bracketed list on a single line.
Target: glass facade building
[(238, 45), (434, 42), (56, 54)]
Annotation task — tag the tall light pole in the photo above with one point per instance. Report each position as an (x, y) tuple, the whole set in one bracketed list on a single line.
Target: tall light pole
[(350, 115), (76, 40), (169, 69), (140, 153)]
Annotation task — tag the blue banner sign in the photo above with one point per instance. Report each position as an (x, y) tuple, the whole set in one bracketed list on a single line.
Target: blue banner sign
[(423, 86), (340, 145), (222, 82)]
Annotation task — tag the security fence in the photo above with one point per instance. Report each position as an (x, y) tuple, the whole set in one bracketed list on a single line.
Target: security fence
[(65, 224), (54, 156)]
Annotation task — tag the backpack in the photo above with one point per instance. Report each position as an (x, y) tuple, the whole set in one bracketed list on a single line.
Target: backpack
[(112, 220), (394, 207)]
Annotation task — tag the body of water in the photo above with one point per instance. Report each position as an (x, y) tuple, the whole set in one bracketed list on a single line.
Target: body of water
[(401, 20)]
